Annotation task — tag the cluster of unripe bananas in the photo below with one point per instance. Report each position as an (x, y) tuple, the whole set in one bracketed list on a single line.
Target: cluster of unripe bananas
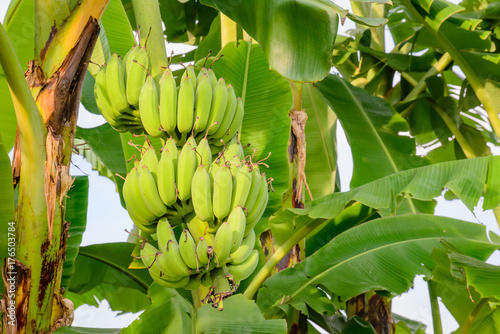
[(130, 99), (216, 205), (197, 216)]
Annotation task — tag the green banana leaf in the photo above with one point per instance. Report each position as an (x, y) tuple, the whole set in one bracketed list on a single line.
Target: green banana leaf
[(103, 141), (338, 324), (240, 315), (407, 326), (101, 271), (76, 215), (119, 36), (371, 126), (487, 324), (267, 100), (321, 131), (383, 254), (351, 216), (169, 313), (385, 194), (423, 183), (453, 289), (212, 42), (297, 35), (186, 21), (484, 277)]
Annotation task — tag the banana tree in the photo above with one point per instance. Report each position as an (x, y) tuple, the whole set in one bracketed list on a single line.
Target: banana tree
[(329, 258)]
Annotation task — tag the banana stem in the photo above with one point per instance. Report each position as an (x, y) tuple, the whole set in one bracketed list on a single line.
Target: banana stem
[(438, 67), (278, 255), (29, 120), (196, 298), (436, 316), (297, 95), (147, 16), (473, 315), (464, 144)]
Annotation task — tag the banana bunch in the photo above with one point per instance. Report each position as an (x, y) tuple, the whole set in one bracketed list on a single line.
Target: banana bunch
[(118, 87), (201, 213), (198, 257), (130, 99)]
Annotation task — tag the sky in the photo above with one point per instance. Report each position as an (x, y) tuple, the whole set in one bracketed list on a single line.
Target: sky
[(106, 221)]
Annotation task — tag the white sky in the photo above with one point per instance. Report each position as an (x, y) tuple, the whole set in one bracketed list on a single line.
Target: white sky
[(107, 221)]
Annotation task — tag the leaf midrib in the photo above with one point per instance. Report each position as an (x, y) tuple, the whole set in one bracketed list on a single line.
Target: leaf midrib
[(322, 132), (309, 282), (245, 76), (136, 279), (374, 131)]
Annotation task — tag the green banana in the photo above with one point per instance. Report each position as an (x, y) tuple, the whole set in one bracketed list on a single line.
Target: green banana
[(115, 83), (234, 150), (181, 283), (150, 159), (214, 168), (171, 260), (202, 251), (219, 103), (259, 207), (199, 229), (236, 122), (189, 73), (148, 107), (149, 256), (142, 225), (133, 198), (171, 147), (166, 178), (229, 113), (203, 71), (129, 57), (185, 106), (223, 188), (242, 185), (149, 192), (222, 243), (213, 78), (245, 249), (185, 170), (204, 155), (187, 247), (136, 76), (168, 102), (203, 103), (246, 268), (237, 221), (201, 194), (101, 96), (254, 189)]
